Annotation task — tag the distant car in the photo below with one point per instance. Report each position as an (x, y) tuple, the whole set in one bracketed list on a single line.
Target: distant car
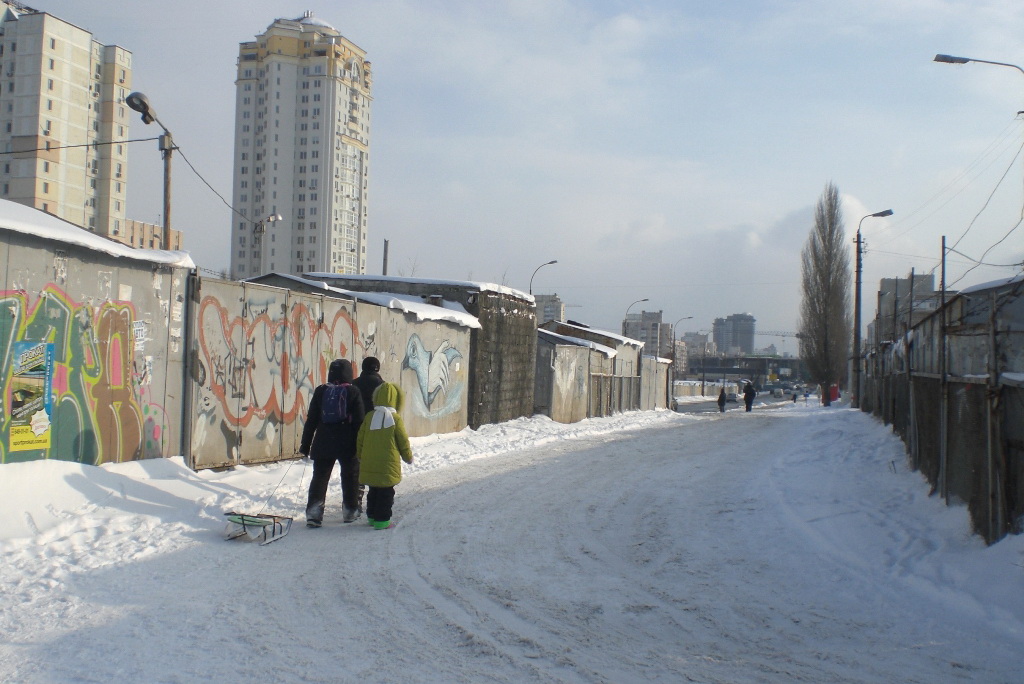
[(731, 396), (777, 392)]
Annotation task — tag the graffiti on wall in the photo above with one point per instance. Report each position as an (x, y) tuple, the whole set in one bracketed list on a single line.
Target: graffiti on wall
[(261, 352), (257, 368), (433, 375), (99, 405)]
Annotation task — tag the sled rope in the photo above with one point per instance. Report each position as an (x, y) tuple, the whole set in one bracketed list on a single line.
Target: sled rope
[(286, 471)]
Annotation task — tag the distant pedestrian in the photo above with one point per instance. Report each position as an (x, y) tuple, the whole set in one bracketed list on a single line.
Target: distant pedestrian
[(795, 394), (383, 445), (369, 380), (721, 401), (329, 435), (748, 396)]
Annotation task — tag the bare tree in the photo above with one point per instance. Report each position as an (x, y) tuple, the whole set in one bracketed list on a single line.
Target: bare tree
[(825, 325), (410, 269)]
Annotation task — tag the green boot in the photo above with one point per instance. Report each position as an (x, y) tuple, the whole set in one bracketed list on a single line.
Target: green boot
[(381, 524)]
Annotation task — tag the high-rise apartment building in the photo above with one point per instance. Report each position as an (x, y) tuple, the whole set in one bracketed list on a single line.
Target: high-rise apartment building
[(302, 137), (648, 327), (549, 308), (735, 334), (63, 120)]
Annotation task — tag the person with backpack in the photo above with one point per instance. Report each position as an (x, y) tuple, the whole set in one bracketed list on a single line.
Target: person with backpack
[(329, 435), (369, 380), (383, 445)]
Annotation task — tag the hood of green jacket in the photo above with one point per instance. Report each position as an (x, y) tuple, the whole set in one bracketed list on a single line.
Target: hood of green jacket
[(388, 395)]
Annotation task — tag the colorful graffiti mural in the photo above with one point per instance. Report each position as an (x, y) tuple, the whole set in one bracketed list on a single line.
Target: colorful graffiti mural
[(257, 366), (100, 411), (262, 350)]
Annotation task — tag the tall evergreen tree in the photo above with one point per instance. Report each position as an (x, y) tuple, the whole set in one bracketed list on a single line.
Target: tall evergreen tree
[(825, 325)]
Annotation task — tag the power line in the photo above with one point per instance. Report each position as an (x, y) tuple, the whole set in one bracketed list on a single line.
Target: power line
[(69, 147), (997, 145), (979, 262), (982, 263), (990, 196), (200, 176)]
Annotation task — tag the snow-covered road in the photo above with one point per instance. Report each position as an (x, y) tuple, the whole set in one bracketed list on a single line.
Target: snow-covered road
[(786, 545)]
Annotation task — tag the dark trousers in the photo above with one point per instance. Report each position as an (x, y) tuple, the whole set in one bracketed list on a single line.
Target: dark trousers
[(749, 403), (379, 502), (351, 490)]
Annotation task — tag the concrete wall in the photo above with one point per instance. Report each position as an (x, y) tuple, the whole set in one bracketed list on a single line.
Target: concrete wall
[(503, 360), (653, 384), (502, 352), (261, 350), (113, 329), (562, 381)]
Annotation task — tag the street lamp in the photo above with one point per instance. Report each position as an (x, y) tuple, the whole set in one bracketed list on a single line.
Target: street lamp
[(258, 231), (684, 318), (553, 261), (855, 402), (950, 59), (627, 313), (140, 103)]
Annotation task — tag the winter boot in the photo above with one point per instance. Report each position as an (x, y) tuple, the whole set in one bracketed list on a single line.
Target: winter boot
[(381, 524), (315, 515), (350, 514)]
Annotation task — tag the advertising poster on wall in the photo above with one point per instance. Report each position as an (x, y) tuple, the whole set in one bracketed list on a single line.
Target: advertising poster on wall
[(31, 398)]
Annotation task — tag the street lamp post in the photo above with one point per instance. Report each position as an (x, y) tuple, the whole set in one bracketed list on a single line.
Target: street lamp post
[(855, 402), (553, 261), (674, 371), (626, 315), (140, 103), (704, 367), (258, 231)]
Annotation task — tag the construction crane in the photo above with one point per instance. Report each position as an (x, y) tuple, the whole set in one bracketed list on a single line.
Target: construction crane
[(778, 333)]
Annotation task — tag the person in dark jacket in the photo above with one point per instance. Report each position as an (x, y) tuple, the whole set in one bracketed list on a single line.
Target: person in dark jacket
[(369, 380), (326, 443), (721, 400), (748, 396)]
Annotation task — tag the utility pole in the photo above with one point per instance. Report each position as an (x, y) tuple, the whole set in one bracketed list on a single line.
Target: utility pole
[(855, 402), (944, 385)]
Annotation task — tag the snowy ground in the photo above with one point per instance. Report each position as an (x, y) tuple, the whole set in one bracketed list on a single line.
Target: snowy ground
[(786, 545)]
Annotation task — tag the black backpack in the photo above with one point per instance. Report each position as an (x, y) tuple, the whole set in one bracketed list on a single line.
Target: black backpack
[(334, 406)]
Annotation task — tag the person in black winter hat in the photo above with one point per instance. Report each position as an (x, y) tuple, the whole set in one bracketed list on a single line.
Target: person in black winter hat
[(330, 435), (369, 380)]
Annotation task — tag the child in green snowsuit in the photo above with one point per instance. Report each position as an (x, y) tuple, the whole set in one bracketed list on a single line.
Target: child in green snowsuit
[(382, 446)]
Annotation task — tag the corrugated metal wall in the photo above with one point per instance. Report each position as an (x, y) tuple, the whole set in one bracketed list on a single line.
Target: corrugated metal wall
[(115, 331), (261, 350)]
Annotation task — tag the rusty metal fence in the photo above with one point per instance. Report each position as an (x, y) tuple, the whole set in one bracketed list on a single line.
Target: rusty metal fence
[(975, 456)]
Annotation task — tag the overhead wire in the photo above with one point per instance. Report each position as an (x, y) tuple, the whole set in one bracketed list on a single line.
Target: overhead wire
[(998, 146), (990, 196), (200, 176), (982, 263), (69, 147)]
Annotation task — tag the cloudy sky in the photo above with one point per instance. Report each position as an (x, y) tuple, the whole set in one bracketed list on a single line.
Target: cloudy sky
[(664, 149)]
